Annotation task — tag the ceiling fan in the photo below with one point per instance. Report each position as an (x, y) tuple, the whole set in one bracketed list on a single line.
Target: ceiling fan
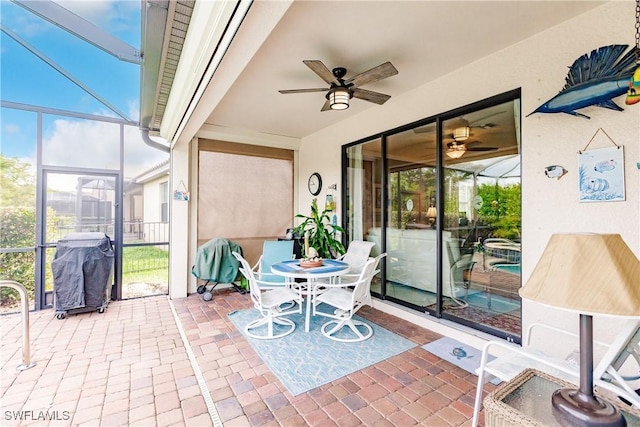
[(341, 91), (463, 130), (456, 148)]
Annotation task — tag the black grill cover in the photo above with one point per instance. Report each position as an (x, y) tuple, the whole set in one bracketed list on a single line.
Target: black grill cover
[(82, 269)]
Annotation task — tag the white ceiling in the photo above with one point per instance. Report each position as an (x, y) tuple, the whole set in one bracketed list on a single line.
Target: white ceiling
[(423, 40)]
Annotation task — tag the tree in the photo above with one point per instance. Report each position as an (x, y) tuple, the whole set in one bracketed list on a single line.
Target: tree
[(502, 209), (17, 224), (18, 183)]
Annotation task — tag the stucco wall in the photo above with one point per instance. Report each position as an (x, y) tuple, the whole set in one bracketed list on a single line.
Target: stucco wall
[(539, 66), (152, 199)]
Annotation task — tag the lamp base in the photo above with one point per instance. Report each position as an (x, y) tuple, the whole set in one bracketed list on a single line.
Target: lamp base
[(584, 410)]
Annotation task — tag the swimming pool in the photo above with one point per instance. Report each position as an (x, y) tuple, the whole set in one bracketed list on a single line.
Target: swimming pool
[(509, 268), (498, 303)]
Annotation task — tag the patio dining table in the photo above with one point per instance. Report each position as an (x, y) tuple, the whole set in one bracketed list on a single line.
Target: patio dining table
[(309, 286)]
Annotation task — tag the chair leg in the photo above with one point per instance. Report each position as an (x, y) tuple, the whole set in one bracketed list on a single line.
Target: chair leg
[(269, 321), (478, 402), (337, 325), (353, 324)]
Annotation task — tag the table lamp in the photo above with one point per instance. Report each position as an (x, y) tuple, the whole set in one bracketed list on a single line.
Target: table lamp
[(591, 274), (432, 213)]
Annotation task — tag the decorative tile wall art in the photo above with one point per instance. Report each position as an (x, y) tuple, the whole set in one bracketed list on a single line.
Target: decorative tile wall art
[(601, 175)]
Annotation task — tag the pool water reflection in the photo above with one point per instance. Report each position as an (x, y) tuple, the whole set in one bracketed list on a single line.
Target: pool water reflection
[(509, 268)]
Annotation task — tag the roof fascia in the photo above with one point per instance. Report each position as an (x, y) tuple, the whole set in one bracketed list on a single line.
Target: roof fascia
[(207, 28)]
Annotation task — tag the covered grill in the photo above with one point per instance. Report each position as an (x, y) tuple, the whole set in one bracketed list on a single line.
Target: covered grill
[(82, 273)]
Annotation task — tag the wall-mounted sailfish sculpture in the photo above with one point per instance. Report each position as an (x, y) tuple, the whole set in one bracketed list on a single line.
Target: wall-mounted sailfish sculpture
[(633, 94), (594, 79)]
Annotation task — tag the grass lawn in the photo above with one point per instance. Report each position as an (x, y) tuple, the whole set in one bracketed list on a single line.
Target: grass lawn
[(147, 264)]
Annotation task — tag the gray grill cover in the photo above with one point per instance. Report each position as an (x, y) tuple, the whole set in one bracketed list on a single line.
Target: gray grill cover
[(82, 270)]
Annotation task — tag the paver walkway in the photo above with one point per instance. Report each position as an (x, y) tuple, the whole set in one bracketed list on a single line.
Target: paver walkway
[(129, 366)]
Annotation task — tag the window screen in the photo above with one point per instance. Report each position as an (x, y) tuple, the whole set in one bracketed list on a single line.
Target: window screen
[(246, 196)]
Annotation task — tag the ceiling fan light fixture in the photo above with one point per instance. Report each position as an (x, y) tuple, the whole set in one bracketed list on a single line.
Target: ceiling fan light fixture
[(339, 98), (455, 151), (461, 133)]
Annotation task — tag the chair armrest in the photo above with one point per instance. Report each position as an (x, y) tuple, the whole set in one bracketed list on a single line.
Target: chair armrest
[(553, 328), (256, 267), (510, 364)]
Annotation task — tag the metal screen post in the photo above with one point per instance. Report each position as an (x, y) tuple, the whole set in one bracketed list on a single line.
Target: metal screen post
[(26, 343)]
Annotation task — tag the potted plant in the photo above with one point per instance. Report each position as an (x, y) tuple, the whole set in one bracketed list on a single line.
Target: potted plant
[(321, 232)]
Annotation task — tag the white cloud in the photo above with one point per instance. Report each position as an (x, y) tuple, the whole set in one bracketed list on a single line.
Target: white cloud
[(109, 15), (92, 144), (11, 128)]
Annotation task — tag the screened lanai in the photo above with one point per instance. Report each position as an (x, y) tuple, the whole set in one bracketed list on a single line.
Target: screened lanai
[(74, 157)]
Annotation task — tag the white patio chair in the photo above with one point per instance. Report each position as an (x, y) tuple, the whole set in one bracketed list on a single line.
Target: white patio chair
[(460, 270), (356, 256), (346, 299), (268, 301), (606, 375)]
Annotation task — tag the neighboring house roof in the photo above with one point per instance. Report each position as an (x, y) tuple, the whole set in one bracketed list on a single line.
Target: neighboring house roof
[(155, 172)]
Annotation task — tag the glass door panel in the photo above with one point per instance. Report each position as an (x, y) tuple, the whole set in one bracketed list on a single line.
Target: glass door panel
[(482, 217), (364, 199), (411, 235)]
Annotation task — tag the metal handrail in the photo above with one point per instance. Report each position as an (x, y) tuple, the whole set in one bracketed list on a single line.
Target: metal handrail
[(26, 343)]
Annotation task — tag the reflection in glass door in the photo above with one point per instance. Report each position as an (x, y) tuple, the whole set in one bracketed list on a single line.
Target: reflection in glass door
[(411, 235), (75, 203), (482, 217), (442, 198)]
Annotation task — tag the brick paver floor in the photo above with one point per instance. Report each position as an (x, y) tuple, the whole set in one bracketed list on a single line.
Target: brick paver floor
[(129, 366)]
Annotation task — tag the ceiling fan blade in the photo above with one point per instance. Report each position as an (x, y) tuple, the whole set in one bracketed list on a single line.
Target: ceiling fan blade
[(488, 125), (321, 70), (373, 75), (482, 149), (481, 119), (367, 95), (303, 90), (477, 146), (326, 106)]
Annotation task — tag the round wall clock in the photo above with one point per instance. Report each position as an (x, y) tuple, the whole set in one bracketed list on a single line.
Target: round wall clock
[(315, 184)]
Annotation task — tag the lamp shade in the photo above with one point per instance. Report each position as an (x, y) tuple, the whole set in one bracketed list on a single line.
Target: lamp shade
[(461, 133), (455, 150), (339, 98), (588, 273), (432, 212)]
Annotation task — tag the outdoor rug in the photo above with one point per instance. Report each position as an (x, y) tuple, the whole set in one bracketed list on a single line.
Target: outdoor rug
[(305, 360), (462, 355)]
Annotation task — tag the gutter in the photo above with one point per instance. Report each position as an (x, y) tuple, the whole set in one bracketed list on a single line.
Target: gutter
[(144, 133)]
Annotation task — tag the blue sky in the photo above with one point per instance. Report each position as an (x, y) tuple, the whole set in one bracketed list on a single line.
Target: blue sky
[(27, 79)]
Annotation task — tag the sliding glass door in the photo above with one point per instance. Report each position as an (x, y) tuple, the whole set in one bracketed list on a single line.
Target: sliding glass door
[(442, 198), (482, 216)]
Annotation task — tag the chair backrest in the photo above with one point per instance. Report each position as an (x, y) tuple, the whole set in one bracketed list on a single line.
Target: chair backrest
[(378, 259), (247, 271), (274, 251), (458, 263), (362, 287), (357, 255)]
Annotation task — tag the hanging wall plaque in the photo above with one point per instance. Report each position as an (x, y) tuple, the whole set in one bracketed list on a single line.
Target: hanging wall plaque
[(601, 174)]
